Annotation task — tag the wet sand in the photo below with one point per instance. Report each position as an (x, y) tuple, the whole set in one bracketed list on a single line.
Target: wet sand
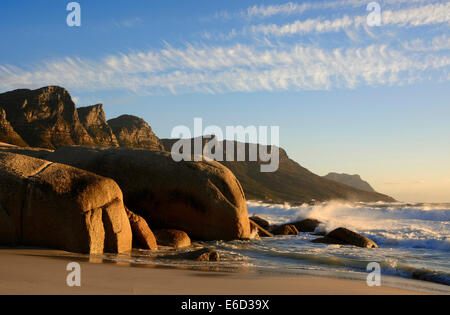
[(32, 271)]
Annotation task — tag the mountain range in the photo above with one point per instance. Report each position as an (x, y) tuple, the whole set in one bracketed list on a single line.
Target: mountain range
[(290, 183), (48, 118)]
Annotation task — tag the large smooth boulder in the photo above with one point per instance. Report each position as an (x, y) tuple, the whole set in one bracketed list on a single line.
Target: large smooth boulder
[(57, 206), (172, 238), (38, 153), (143, 236), (204, 199)]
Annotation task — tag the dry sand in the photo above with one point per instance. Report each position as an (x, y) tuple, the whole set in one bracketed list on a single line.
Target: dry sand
[(28, 271)]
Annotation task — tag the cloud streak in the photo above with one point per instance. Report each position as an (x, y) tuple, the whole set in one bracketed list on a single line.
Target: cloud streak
[(292, 8), (238, 68), (437, 43), (261, 66), (431, 14)]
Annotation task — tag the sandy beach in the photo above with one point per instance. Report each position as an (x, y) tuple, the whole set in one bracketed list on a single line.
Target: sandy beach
[(33, 271)]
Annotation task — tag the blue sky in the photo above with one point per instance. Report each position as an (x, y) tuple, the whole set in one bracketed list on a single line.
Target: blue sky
[(347, 97)]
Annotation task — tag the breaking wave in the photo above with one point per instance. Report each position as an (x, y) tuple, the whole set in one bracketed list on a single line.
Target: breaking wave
[(403, 225), (414, 239)]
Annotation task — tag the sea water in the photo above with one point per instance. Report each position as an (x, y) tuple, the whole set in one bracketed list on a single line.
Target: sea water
[(413, 240)]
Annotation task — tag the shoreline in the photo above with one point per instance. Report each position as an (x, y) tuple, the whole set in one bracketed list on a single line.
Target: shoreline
[(40, 271)]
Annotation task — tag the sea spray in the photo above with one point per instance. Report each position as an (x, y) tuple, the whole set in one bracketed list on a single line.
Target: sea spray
[(413, 243), (416, 225)]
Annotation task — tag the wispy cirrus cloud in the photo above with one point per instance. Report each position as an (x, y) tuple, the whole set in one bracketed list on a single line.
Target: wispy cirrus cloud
[(263, 63), (308, 26), (292, 8), (298, 8), (434, 44), (236, 68), (430, 14)]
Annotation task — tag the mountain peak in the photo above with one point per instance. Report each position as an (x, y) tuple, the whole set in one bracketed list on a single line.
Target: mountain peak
[(134, 132), (46, 117), (94, 121), (351, 180)]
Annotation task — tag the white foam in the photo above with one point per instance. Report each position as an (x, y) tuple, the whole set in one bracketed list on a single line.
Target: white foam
[(393, 224)]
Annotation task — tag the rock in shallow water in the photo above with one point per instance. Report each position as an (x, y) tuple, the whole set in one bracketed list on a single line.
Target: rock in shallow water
[(260, 221), (285, 229), (306, 225), (173, 238), (344, 236), (261, 231), (203, 254)]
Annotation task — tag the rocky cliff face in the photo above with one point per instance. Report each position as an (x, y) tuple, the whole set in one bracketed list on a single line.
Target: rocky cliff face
[(7, 132), (350, 180), (46, 117), (94, 121), (134, 132)]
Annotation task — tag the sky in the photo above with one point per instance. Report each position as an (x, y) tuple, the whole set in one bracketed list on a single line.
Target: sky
[(348, 97)]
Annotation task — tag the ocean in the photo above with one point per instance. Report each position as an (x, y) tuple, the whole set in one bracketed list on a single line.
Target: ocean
[(413, 240)]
